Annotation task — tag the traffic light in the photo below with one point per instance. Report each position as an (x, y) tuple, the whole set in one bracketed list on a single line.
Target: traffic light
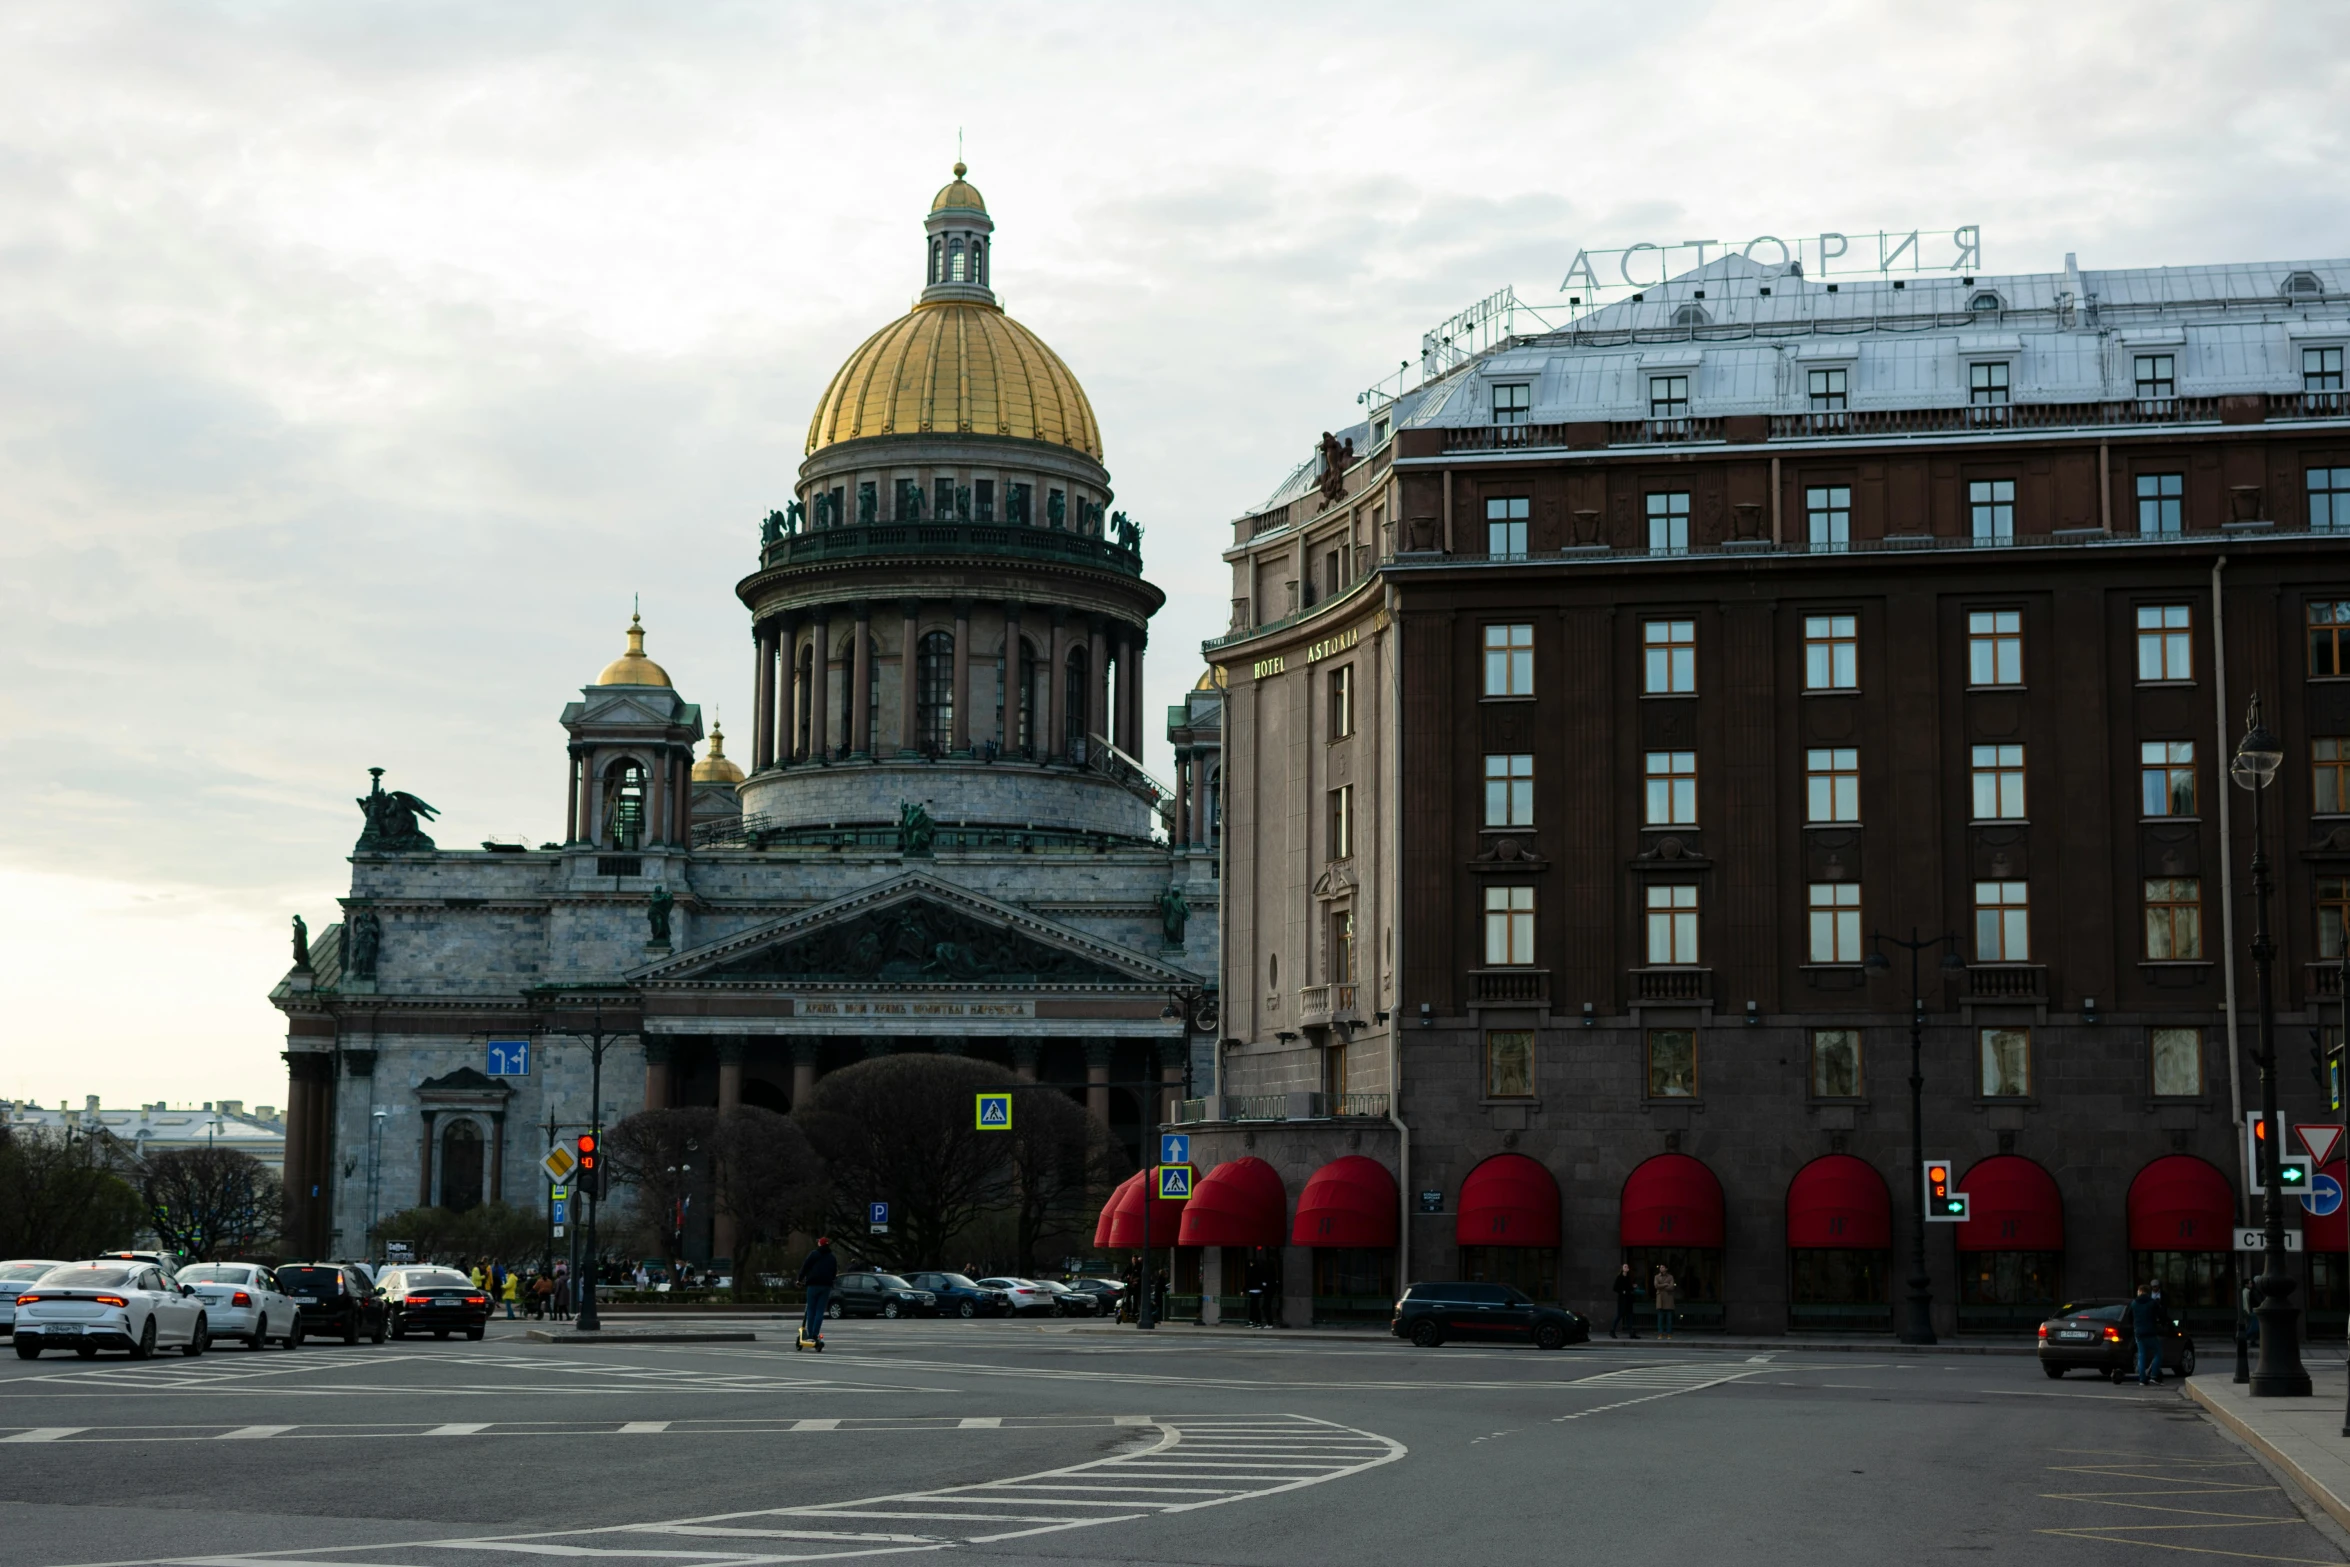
[(591, 1168), (2256, 1143), (2293, 1173), (1943, 1205)]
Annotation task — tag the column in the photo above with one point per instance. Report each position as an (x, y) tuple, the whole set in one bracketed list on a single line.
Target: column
[(1171, 1053), (299, 1171), (960, 741), (423, 1163), (1122, 694), (820, 687), (1180, 828), (497, 1156), (1015, 688), (788, 718), (803, 1070), (656, 802), (1024, 1054), (571, 832), (763, 700), (730, 1098), (1052, 745), (1135, 637), (1097, 682), (861, 683), (1097, 1080), (657, 1052), (909, 673)]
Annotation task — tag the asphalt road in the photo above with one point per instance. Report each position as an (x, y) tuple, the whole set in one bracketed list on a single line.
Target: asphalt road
[(1017, 1444)]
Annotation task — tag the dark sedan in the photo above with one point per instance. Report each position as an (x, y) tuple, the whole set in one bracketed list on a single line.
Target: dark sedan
[(960, 1297), (2096, 1335), (1432, 1314), (439, 1301), (879, 1295), (333, 1298)]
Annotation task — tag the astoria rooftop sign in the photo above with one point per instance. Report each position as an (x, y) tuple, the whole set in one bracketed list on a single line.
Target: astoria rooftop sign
[(1648, 263)]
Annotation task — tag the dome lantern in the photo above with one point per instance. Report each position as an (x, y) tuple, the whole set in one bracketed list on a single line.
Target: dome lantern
[(959, 243), (632, 668)]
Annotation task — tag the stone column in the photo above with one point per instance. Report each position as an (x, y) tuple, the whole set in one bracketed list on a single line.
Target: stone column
[(1097, 682), (787, 719), (803, 1070), (861, 683), (909, 667), (1015, 688), (960, 740), (424, 1162), (1121, 730), (300, 1172), (1135, 638), (1052, 745), (497, 1156), (1180, 828), (763, 699), (820, 687), (657, 1076), (571, 825), (1024, 1054), (730, 1098), (1097, 1080)]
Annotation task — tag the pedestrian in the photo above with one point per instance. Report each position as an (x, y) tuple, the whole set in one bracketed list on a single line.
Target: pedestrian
[(1129, 1295), (2146, 1323), (480, 1279), (510, 1291), (641, 1277), (1159, 1296), (1627, 1288), (1665, 1288), (2251, 1315), (542, 1296), (562, 1297), (817, 1271)]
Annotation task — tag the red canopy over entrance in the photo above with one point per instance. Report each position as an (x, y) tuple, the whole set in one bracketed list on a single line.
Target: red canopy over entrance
[(1240, 1202), (1509, 1200), (2012, 1205), (1672, 1200), (1347, 1202), (1126, 1218), (1837, 1202), (1101, 1226), (2181, 1203)]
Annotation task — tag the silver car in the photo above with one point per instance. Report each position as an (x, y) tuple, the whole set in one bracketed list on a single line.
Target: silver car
[(242, 1301), (109, 1304), (14, 1276)]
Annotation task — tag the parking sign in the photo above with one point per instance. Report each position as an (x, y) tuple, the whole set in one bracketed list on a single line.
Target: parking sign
[(877, 1217)]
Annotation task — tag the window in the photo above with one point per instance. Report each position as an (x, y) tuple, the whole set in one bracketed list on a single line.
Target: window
[(1342, 948), (1831, 652), (909, 502), (934, 686), (1672, 924), (1995, 647), (2157, 382), (1016, 504), (1672, 789), (2161, 502), (2165, 642), (2007, 1062), (1509, 1065), (1509, 660), (1987, 383), (1827, 514), (1510, 403), (624, 806), (1074, 691), (1342, 701), (2003, 922), (1835, 1063), (2174, 918), (1056, 508), (1668, 522), (942, 499), (2333, 910), (1672, 1063), (2329, 500), (1505, 526), (1668, 397), (2330, 784), (1999, 782), (2321, 369), (1671, 648), (1985, 303), (1991, 510), (1831, 785), (1509, 926), (1509, 790), (1827, 391), (2166, 778), (2329, 637), (2177, 1061), (1835, 922), (983, 500), (1342, 822)]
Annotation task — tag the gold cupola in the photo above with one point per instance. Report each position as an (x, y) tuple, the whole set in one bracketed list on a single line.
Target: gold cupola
[(632, 668), (716, 768)]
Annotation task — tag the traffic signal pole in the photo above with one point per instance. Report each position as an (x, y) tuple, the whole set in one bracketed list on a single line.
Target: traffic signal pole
[(597, 1041)]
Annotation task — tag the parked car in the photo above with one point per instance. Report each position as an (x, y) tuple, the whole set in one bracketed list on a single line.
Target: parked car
[(1431, 1314), (333, 1299), (242, 1301), (1068, 1302), (960, 1297), (1025, 1295), (1105, 1293), (2096, 1335), (879, 1295), (439, 1301), (109, 1304), (14, 1278)]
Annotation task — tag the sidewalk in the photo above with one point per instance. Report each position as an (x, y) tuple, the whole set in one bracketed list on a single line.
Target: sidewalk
[(2301, 1436)]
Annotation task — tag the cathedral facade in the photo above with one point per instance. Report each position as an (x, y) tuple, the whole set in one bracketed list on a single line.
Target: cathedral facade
[(944, 841)]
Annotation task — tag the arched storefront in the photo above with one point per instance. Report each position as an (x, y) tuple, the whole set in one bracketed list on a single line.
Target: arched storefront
[(2011, 1247), (1508, 1228), (1348, 1215), (2182, 1219), (1839, 1247), (1242, 1208), (1671, 1215)]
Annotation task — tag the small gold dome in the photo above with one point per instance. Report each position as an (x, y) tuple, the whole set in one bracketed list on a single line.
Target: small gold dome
[(715, 768), (632, 668), (958, 193), (956, 367), (1212, 679)]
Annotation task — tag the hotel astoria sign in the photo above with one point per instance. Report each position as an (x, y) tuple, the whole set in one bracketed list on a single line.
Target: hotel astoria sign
[(1648, 263)]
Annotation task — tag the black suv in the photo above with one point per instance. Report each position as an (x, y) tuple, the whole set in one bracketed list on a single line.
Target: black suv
[(959, 1297), (1429, 1314), (333, 1298), (879, 1295)]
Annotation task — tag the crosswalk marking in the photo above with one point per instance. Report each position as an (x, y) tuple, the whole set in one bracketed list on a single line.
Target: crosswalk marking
[(815, 1425), (644, 1428), (459, 1428), (252, 1431), (980, 1422), (44, 1434)]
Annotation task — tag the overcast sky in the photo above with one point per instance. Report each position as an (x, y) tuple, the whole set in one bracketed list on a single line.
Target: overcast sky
[(359, 361)]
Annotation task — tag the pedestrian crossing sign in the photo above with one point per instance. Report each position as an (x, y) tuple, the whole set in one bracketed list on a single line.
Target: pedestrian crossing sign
[(1174, 1182), (995, 1112)]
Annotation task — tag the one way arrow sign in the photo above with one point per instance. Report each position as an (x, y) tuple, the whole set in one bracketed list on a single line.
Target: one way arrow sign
[(2321, 1141)]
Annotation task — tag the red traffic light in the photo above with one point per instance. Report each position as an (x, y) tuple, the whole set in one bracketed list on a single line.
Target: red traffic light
[(587, 1150)]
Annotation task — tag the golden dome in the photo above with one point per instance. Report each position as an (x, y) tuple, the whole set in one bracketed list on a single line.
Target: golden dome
[(958, 193), (1211, 680), (632, 668), (715, 768), (956, 366)]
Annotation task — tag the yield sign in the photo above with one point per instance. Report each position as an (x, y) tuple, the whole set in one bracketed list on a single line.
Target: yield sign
[(2321, 1141)]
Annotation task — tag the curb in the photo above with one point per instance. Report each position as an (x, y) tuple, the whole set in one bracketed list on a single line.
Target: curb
[(2334, 1506), (1648, 1346), (543, 1336)]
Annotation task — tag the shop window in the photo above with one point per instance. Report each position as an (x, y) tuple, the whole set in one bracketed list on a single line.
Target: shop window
[(1835, 1063), (1509, 927), (1833, 1288), (1697, 1275), (1671, 779), (1669, 667), (1672, 924), (2330, 775), (1509, 660), (1835, 922), (2003, 922), (2174, 918), (1831, 652), (2013, 1291), (2177, 1061), (1352, 1282), (1831, 784), (1505, 526), (2329, 637), (1995, 647), (1827, 516), (2006, 1055), (1672, 1063), (2198, 1286), (1533, 1271), (2166, 642), (1998, 775), (1509, 790), (1509, 1065), (2166, 777), (2162, 503)]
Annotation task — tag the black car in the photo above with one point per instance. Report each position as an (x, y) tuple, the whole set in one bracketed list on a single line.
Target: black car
[(959, 1297), (2096, 1335), (879, 1295), (1105, 1293), (334, 1298), (1430, 1314), (439, 1301), (1069, 1301)]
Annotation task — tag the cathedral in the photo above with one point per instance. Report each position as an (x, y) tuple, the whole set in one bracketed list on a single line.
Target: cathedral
[(944, 841)]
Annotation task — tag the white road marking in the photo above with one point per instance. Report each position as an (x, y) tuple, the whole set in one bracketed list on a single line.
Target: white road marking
[(242, 1432), (980, 1422), (1670, 1381), (644, 1427), (44, 1434), (460, 1428)]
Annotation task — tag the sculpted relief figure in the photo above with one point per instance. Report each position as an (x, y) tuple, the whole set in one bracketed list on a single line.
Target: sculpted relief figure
[(1174, 914), (362, 943), (657, 910)]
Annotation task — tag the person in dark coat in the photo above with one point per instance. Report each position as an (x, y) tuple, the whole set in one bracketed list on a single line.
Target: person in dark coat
[(1627, 1290), (817, 1271), (2146, 1322)]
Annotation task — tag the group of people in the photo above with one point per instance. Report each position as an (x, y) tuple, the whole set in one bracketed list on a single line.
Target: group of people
[(539, 1294), (1662, 1289)]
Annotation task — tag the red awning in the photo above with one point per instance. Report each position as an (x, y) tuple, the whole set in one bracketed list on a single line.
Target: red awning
[(2329, 1232), (1126, 1216), (1839, 1203), (2181, 1203), (1347, 1202), (1672, 1200), (1101, 1225), (2012, 1205), (1240, 1202), (1509, 1200)]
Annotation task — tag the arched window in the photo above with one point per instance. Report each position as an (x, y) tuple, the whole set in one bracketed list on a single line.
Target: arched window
[(1077, 686), (979, 261), (955, 260), (842, 719), (624, 806), (937, 260), (461, 1166), (934, 716)]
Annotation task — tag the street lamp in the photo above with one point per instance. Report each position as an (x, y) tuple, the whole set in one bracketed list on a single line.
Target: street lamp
[(2280, 1373), (1919, 1326)]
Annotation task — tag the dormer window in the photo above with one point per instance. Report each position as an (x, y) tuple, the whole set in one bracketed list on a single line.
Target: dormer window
[(1986, 303), (1692, 315), (1987, 383), (2321, 370), (2303, 283), (1512, 403), (1668, 397)]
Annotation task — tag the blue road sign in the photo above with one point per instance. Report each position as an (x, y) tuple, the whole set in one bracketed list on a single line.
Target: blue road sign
[(1174, 1148), (877, 1213), (994, 1113), (562, 1210), (1174, 1182), (509, 1058), (2323, 1197)]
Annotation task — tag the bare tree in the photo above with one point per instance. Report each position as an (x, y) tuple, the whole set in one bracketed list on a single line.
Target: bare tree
[(667, 1156), (770, 1182), (900, 1130), (1061, 1155), (206, 1203), (490, 1231), (65, 1194)]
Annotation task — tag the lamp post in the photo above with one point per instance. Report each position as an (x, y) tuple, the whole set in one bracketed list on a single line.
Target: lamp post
[(375, 1145), (2280, 1373), (1918, 1327)]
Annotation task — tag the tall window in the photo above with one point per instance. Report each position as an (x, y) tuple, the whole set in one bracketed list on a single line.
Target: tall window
[(1505, 526), (1672, 789), (1835, 922), (2321, 369), (1342, 701), (1668, 522), (1672, 924), (1831, 777), (2329, 637), (1987, 384), (1509, 790), (2329, 500), (1827, 391), (2177, 1061), (1995, 647), (2007, 1062), (2329, 762), (1511, 403), (1342, 948), (1509, 926), (983, 500), (1672, 1063), (942, 499), (2162, 503), (1076, 686), (2333, 910), (2174, 917), (1999, 782), (624, 806), (1835, 1063), (1509, 1065), (1827, 516), (1342, 822), (2166, 777), (934, 715), (2003, 922), (1991, 510), (2157, 380), (2166, 645), (1509, 660), (909, 501), (1671, 657), (1831, 652), (1668, 397)]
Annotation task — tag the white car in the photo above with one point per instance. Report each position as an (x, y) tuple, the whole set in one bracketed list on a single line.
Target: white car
[(90, 1306), (1023, 1295), (242, 1301), (14, 1276)]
